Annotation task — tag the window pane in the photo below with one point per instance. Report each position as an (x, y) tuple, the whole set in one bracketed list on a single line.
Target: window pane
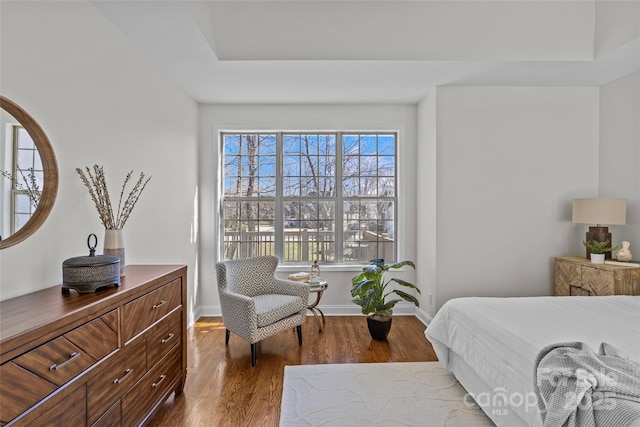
[(386, 166), (307, 196), (267, 166), (351, 187), (23, 203), (368, 166), (368, 144), (387, 145), (291, 186), (21, 220), (386, 187), (291, 144), (231, 144), (24, 139), (327, 145), (351, 145), (231, 187), (309, 231), (25, 159), (267, 187), (369, 232)]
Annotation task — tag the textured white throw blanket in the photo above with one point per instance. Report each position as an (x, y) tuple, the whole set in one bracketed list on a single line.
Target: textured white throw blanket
[(578, 388)]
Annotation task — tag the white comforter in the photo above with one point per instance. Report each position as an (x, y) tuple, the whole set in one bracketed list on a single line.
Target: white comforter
[(499, 338)]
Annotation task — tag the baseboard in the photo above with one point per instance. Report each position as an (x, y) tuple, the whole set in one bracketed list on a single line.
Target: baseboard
[(423, 316), (328, 310)]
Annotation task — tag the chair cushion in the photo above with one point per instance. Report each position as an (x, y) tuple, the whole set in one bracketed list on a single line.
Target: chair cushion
[(274, 307)]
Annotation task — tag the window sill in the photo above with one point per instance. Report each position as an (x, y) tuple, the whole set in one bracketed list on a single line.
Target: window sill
[(337, 268)]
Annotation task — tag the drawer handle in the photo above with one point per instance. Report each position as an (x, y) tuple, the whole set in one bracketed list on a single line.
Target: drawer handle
[(160, 304), (126, 374), (167, 339), (73, 356), (155, 385)]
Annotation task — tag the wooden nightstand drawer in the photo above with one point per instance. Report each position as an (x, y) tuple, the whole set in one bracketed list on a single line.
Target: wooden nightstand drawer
[(162, 337), (115, 377), (568, 275), (597, 281), (142, 312), (151, 388)]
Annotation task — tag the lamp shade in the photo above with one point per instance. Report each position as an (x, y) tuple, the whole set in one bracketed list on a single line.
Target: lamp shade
[(600, 211)]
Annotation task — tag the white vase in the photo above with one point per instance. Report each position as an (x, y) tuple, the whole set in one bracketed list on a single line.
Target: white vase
[(597, 258), (114, 245)]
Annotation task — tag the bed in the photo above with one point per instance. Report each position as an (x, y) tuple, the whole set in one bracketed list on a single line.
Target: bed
[(490, 344)]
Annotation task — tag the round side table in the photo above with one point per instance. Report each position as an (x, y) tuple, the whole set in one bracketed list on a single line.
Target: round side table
[(319, 289)]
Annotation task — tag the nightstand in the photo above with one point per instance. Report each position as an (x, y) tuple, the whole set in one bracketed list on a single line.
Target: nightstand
[(578, 276)]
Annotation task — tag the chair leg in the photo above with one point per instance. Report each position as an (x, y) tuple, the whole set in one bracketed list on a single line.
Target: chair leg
[(253, 354), (226, 337), (299, 330)]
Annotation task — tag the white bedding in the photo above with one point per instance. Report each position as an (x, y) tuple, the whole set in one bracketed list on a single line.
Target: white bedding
[(499, 339)]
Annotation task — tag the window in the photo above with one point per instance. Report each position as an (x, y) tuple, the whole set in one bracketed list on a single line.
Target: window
[(26, 177), (309, 196)]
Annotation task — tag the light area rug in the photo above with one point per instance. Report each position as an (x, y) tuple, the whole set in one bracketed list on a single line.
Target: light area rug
[(376, 394)]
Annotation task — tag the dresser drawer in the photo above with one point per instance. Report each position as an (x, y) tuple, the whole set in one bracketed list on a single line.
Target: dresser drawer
[(162, 337), (21, 390), (114, 377), (63, 410), (65, 357), (142, 312), (151, 388), (111, 418)]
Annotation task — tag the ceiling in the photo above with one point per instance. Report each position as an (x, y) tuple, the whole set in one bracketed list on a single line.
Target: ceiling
[(364, 51)]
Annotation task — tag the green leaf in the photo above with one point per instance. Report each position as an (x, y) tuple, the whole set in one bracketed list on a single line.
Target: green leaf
[(401, 264), (407, 284), (390, 304), (361, 287), (407, 297), (358, 301)]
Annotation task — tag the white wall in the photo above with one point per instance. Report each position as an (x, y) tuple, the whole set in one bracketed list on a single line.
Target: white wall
[(214, 118), (617, 22), (509, 162), (620, 153), (100, 100), (426, 175)]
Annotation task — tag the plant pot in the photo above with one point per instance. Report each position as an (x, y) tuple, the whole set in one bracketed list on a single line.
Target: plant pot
[(379, 326), (597, 258)]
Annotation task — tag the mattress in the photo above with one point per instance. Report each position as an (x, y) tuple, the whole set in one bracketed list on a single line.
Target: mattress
[(498, 339)]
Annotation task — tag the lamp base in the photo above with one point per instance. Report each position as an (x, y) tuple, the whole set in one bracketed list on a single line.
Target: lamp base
[(599, 234)]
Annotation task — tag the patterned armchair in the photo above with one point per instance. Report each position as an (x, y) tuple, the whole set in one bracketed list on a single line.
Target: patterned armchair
[(255, 304)]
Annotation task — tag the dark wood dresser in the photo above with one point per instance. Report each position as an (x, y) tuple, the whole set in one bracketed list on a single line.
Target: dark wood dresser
[(109, 358)]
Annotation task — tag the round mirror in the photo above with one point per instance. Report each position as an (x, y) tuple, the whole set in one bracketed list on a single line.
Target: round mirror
[(29, 175)]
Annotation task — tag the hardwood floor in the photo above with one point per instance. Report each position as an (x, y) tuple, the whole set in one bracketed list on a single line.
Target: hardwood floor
[(222, 388)]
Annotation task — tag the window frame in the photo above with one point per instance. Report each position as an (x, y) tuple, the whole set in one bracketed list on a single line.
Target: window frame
[(338, 199), (17, 173)]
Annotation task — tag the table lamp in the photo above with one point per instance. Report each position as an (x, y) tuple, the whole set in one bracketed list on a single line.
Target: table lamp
[(602, 212)]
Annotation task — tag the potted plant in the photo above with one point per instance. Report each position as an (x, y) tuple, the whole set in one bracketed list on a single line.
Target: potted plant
[(598, 249), (368, 290)]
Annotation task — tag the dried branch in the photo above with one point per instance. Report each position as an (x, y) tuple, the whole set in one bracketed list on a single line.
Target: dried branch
[(96, 183), (30, 186)]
